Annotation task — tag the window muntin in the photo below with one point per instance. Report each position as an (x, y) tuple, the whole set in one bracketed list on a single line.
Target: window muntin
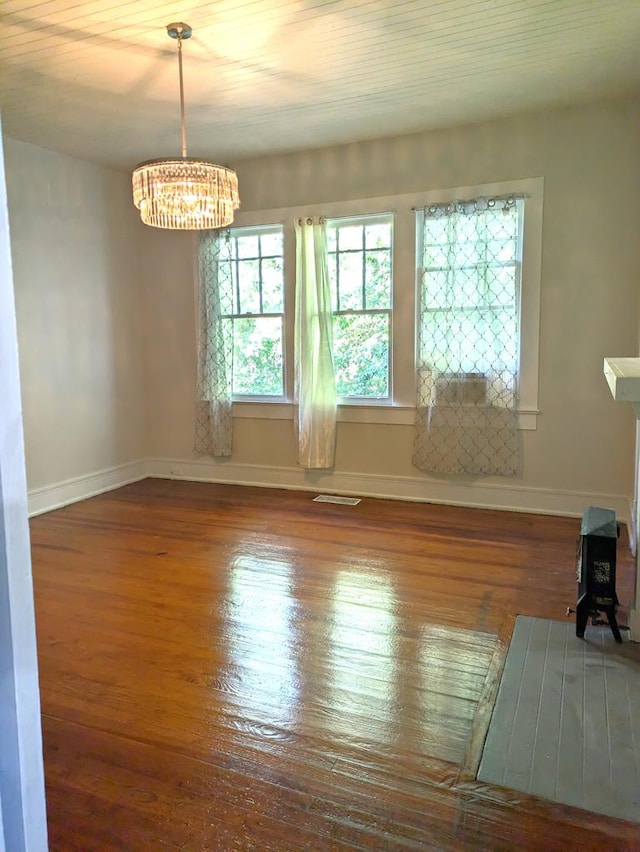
[(360, 258), (256, 261)]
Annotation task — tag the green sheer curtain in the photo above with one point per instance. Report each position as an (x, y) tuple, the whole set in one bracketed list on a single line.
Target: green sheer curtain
[(315, 385)]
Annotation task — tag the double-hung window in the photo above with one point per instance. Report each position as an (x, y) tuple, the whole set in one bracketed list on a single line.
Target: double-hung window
[(469, 337), (469, 327), (255, 261), (360, 274)]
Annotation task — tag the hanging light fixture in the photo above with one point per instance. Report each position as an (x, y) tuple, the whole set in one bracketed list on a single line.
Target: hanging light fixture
[(184, 193)]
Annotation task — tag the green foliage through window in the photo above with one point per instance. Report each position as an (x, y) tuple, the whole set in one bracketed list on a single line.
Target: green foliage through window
[(360, 275), (255, 258)]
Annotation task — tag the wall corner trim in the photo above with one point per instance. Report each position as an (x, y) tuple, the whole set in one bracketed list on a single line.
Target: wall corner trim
[(632, 526)]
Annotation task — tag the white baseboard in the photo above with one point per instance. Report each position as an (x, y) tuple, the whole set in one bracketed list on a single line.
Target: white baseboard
[(81, 487), (479, 494), (513, 498)]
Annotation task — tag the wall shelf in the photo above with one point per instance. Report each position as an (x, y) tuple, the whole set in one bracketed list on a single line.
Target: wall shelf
[(623, 377)]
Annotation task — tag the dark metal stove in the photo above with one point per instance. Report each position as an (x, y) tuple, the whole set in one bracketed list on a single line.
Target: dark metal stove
[(596, 569)]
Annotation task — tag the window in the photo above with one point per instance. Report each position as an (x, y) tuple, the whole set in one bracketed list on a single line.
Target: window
[(469, 338), (360, 274), (255, 259), (469, 326)]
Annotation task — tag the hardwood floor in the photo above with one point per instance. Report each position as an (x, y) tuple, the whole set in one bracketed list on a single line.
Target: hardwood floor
[(232, 668)]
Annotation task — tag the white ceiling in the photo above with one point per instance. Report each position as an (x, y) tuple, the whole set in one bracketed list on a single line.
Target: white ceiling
[(98, 78)]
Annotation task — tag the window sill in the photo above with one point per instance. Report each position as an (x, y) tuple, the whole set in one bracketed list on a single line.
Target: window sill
[(398, 415)]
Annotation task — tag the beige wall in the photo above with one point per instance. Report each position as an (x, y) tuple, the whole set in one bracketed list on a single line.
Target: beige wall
[(89, 315), (589, 160), (74, 240)]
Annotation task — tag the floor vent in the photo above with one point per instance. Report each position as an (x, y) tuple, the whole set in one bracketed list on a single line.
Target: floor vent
[(331, 498)]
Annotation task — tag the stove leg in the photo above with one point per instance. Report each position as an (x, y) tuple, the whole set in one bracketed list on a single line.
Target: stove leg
[(613, 624), (582, 615)]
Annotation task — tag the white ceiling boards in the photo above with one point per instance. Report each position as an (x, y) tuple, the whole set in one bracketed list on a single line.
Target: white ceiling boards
[(97, 79)]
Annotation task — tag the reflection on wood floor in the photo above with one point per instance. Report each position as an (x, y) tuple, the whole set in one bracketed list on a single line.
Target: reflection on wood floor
[(234, 668)]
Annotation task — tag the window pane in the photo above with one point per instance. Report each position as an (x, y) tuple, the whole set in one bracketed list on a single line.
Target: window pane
[(466, 229), (257, 356), (378, 236), (350, 281), (500, 225), (378, 279), (435, 256), (506, 332), (248, 245), (249, 283), (361, 355), (331, 238), (435, 291), (271, 244), (468, 253), (437, 231), (501, 285), (272, 285), (466, 289), (350, 237), (450, 340), (504, 250)]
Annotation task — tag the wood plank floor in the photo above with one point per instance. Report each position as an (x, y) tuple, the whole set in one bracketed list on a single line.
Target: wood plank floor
[(233, 668)]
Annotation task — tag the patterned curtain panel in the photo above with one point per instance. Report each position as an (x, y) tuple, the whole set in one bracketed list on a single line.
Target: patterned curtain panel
[(315, 379), (468, 338), (214, 413)]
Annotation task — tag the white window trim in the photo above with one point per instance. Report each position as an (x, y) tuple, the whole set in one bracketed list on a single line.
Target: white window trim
[(404, 315)]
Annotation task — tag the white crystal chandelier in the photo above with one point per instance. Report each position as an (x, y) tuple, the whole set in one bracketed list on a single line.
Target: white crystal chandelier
[(184, 193)]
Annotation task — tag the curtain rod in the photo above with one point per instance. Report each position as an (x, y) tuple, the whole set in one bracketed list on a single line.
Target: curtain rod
[(462, 201)]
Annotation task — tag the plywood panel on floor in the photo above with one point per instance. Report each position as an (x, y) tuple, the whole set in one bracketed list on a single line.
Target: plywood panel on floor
[(566, 724)]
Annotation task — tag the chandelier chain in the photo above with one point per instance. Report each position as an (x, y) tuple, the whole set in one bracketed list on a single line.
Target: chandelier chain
[(183, 128)]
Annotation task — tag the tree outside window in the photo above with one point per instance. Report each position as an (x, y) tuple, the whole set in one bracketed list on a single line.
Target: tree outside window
[(255, 259), (360, 274)]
